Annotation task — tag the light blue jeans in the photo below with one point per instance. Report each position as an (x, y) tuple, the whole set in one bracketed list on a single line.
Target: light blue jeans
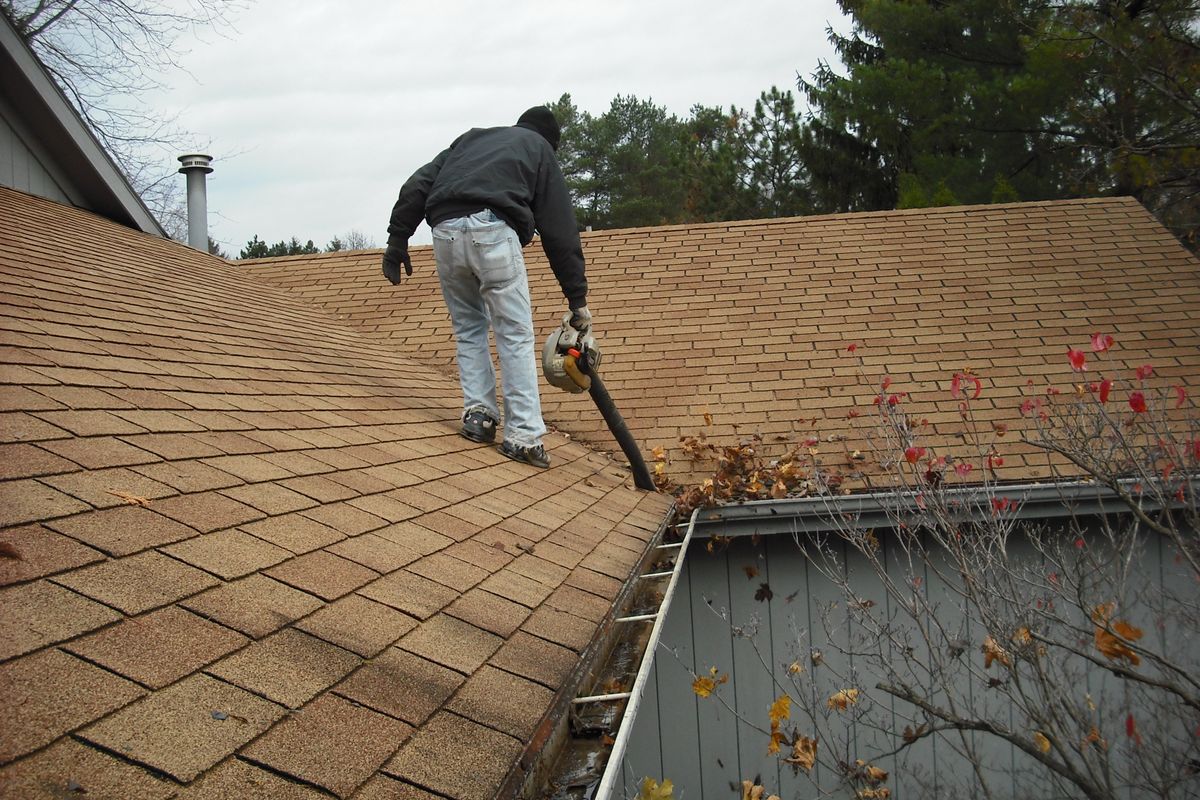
[(482, 271)]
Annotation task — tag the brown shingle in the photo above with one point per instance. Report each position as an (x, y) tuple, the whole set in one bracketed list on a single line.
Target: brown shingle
[(294, 532), (36, 551), (68, 768), (255, 605), (452, 643), (234, 778), (187, 728), (137, 583), (160, 647), (403, 685), (323, 574), (28, 461), (229, 554), (381, 555), (207, 511), (410, 593), (358, 624), (288, 667), (332, 743), (502, 701), (50, 693), (30, 501), (124, 530), (482, 757), (104, 488), (536, 659), (41, 613)]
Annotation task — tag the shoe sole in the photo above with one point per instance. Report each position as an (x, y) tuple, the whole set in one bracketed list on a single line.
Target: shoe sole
[(477, 439), (515, 457)]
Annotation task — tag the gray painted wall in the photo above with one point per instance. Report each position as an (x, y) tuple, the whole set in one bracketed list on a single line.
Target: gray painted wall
[(20, 168), (702, 747)]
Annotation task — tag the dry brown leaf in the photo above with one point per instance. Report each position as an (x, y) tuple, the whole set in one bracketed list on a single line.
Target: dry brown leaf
[(1114, 644), (7, 550), (994, 652), (1041, 741), (804, 754), (131, 499), (779, 490), (840, 701)]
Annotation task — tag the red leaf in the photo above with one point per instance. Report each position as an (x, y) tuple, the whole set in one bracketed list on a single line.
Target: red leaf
[(1105, 388), (852, 413), (1026, 407), (852, 347), (913, 454), (1144, 371), (963, 469), (1137, 401), (1101, 342), (955, 388), (1180, 396), (887, 381), (1077, 358)]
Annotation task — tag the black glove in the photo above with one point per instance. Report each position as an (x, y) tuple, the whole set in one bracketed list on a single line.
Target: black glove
[(393, 257), (581, 319)]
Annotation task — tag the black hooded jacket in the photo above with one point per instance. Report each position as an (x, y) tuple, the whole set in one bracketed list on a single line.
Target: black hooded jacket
[(513, 172)]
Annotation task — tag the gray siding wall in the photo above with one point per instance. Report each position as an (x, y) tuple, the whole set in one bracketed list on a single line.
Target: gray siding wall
[(20, 167), (700, 744)]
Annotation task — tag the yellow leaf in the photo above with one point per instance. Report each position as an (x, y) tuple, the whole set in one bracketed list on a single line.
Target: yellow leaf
[(708, 419), (658, 454), (653, 790), (804, 753), (781, 709), (777, 739), (754, 791), (875, 774), (880, 793), (1041, 741), (994, 652), (794, 668), (705, 685), (1022, 636), (842, 700)]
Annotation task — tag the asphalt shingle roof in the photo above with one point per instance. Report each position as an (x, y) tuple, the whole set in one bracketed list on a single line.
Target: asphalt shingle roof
[(245, 552), (750, 321)]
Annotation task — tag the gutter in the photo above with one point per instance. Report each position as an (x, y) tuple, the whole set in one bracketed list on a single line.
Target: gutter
[(880, 509), (616, 757)]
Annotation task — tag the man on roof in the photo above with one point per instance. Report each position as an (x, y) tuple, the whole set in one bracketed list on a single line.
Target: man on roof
[(484, 196)]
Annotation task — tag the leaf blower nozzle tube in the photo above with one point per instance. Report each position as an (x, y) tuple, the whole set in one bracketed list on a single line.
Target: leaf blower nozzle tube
[(616, 424)]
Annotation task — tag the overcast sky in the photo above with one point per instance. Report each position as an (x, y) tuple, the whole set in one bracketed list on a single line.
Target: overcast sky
[(316, 112)]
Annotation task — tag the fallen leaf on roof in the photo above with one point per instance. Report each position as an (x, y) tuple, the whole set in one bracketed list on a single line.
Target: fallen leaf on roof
[(131, 499), (7, 550)]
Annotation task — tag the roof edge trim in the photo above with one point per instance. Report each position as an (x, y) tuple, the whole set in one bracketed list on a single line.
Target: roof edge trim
[(879, 509)]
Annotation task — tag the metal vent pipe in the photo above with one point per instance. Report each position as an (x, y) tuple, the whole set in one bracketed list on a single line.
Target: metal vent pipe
[(196, 166)]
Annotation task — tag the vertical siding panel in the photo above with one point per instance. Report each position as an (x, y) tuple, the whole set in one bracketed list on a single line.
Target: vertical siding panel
[(753, 679), (643, 757), (789, 619), (677, 707), (714, 647), (7, 154)]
